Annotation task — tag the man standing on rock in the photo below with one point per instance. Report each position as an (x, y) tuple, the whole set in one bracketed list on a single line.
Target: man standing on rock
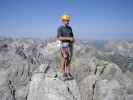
[(65, 35)]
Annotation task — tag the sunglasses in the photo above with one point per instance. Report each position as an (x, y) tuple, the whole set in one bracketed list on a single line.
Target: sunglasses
[(65, 20)]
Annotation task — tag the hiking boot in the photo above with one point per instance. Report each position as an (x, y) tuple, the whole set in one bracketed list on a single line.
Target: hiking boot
[(70, 77), (65, 76)]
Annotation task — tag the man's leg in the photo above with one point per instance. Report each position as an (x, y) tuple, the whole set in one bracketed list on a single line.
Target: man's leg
[(64, 60), (64, 69), (62, 64), (69, 62), (69, 65)]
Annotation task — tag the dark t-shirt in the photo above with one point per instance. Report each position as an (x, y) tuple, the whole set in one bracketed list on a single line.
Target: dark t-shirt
[(64, 31)]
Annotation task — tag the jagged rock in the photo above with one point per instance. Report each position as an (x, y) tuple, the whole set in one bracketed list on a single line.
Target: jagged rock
[(109, 90), (26, 71), (49, 88), (86, 87), (105, 81), (21, 92)]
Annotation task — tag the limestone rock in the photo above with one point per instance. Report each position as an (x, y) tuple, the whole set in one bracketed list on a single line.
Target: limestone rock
[(49, 88)]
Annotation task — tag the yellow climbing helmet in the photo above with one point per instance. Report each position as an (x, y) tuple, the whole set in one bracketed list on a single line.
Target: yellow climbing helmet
[(65, 17)]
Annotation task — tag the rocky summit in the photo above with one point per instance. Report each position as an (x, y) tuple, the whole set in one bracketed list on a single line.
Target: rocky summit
[(29, 70), (46, 86)]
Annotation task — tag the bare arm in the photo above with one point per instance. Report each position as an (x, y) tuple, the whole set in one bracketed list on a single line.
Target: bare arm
[(71, 39)]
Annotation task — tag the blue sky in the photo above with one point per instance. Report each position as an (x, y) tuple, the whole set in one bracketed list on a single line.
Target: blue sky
[(92, 19)]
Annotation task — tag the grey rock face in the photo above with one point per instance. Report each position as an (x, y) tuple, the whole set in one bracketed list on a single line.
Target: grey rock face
[(28, 67), (45, 86), (51, 89), (17, 63), (109, 90), (102, 80)]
